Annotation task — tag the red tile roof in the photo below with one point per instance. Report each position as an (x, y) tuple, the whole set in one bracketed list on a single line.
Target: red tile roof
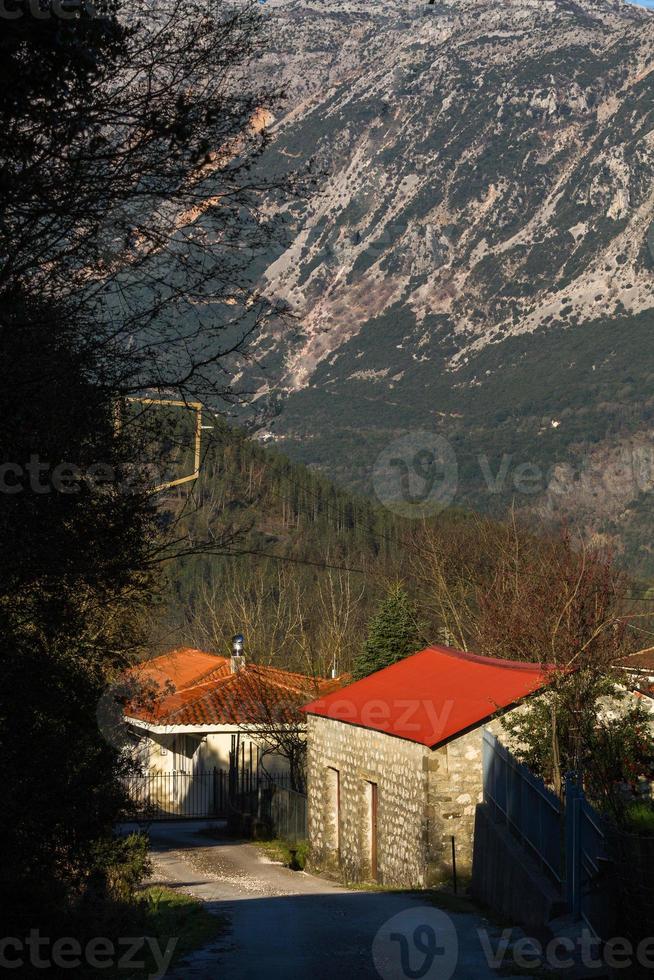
[(181, 668), (206, 692), (434, 695)]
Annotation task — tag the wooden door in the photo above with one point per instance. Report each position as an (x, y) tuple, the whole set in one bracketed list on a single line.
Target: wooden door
[(373, 831)]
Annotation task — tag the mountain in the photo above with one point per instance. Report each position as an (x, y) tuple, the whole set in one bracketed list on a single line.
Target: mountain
[(475, 257)]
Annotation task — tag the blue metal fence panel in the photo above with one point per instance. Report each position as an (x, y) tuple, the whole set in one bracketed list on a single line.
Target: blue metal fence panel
[(594, 858), (524, 804), (572, 845), (587, 861)]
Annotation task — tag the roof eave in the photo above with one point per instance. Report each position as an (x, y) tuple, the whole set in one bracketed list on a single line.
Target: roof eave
[(219, 728)]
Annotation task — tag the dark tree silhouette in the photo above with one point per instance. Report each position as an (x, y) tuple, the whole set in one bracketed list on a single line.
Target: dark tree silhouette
[(131, 222), (128, 185)]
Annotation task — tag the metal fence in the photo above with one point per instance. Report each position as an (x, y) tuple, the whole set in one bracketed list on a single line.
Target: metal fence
[(171, 795), (588, 862), (525, 805), (219, 793), (571, 843)]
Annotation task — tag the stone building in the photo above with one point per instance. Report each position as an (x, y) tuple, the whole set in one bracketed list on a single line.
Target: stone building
[(395, 764)]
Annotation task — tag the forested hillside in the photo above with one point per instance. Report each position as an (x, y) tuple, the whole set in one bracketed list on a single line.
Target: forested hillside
[(285, 556), (275, 550)]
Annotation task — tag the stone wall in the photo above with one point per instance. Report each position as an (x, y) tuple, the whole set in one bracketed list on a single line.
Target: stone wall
[(360, 757), (424, 798), (455, 788)]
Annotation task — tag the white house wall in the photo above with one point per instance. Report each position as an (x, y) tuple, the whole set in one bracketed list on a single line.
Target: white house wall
[(192, 750)]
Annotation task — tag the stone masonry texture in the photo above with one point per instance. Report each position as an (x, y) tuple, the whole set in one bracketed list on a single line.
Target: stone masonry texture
[(424, 798)]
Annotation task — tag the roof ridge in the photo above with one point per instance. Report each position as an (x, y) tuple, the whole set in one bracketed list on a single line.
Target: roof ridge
[(282, 670), (483, 659), (179, 650), (257, 668)]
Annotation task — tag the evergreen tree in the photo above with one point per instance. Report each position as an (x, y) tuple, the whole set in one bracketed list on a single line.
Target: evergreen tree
[(392, 634)]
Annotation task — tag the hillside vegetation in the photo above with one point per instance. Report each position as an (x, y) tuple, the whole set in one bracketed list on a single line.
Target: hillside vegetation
[(285, 556), (277, 551)]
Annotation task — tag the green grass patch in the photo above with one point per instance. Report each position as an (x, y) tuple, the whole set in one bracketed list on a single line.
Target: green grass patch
[(444, 898), (373, 886), (292, 856)]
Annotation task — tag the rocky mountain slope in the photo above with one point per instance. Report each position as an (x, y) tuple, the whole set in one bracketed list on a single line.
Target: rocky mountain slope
[(477, 257)]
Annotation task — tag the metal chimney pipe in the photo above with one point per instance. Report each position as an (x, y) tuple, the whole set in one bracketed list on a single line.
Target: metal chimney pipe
[(237, 660)]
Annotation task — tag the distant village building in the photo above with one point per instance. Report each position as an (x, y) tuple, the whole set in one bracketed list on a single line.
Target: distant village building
[(395, 764)]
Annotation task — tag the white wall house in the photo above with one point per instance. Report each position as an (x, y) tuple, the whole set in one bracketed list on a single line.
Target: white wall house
[(197, 713)]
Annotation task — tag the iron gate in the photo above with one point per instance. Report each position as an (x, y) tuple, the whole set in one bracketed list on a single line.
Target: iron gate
[(171, 795)]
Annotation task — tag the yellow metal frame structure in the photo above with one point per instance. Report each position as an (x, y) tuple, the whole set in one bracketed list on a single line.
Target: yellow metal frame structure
[(197, 408)]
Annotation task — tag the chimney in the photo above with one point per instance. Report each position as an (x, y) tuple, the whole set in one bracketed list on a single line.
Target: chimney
[(237, 661)]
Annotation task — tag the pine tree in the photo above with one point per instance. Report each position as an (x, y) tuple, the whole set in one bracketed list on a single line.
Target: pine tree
[(392, 634)]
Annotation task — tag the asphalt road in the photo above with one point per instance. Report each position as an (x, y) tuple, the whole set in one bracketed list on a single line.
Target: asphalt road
[(295, 926)]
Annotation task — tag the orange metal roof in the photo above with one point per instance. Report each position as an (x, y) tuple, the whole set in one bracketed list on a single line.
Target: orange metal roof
[(434, 695), (206, 692)]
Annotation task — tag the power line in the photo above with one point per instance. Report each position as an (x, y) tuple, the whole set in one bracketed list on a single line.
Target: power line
[(325, 566), (640, 629), (201, 550)]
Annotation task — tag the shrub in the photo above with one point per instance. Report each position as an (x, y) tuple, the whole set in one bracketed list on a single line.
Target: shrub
[(639, 818)]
